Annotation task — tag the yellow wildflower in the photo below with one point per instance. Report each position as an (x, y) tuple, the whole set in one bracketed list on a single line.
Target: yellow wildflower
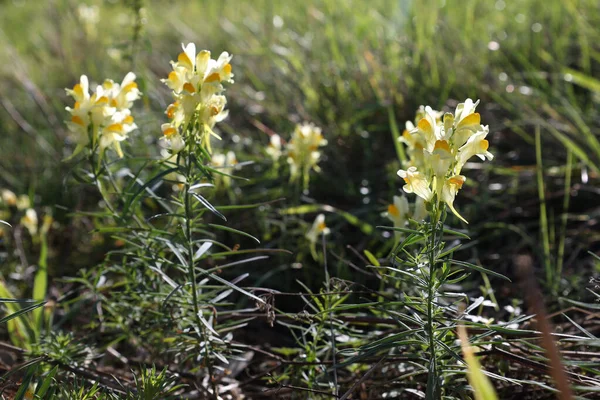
[(449, 191), (439, 148), (302, 151), (318, 228), (416, 183), (196, 81), (30, 221), (105, 113)]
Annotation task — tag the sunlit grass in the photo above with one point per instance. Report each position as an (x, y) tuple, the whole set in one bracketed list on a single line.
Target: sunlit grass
[(355, 69)]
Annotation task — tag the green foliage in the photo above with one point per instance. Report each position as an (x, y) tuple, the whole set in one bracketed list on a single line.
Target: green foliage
[(212, 279)]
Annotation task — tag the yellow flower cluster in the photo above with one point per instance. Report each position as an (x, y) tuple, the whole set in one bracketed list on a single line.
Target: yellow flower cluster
[(438, 148), (197, 84), (303, 151), (103, 116)]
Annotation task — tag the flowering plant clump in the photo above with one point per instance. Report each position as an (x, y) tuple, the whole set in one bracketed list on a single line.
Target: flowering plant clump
[(102, 118), (197, 84), (438, 149), (302, 151)]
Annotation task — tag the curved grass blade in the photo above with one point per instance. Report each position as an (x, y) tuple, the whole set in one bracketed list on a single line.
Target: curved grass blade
[(21, 312), (479, 269), (232, 230), (208, 206)]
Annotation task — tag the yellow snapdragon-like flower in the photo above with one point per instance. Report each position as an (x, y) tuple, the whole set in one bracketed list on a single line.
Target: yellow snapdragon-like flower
[(30, 221), (303, 153), (416, 183), (174, 139), (450, 189), (124, 94), (121, 123), (476, 145), (429, 129), (438, 148), (103, 116), (317, 229), (197, 85), (399, 212)]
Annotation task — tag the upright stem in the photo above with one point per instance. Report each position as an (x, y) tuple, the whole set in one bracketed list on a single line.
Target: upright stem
[(431, 290), (192, 270), (328, 302), (95, 171)]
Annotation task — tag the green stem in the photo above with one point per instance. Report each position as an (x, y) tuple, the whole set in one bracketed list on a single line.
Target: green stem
[(96, 172), (430, 304), (192, 270), (117, 190), (564, 219)]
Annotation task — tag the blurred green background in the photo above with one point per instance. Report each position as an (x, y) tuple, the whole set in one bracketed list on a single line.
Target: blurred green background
[(359, 70)]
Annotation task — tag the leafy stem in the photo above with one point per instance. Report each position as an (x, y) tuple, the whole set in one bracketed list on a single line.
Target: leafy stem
[(189, 180)]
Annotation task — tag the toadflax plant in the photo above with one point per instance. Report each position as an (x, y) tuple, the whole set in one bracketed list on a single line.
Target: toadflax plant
[(167, 292), (101, 120), (438, 147)]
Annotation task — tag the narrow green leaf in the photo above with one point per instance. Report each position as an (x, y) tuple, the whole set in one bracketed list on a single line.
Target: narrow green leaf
[(372, 258), (398, 229), (21, 312), (479, 269), (208, 206), (40, 285), (592, 306), (24, 389), (585, 81), (43, 386), (236, 288), (232, 230), (456, 233)]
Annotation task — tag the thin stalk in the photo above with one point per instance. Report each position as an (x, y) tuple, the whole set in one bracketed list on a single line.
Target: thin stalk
[(544, 230), (396, 136), (96, 173), (117, 190), (192, 269), (563, 223), (333, 347), (430, 305)]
